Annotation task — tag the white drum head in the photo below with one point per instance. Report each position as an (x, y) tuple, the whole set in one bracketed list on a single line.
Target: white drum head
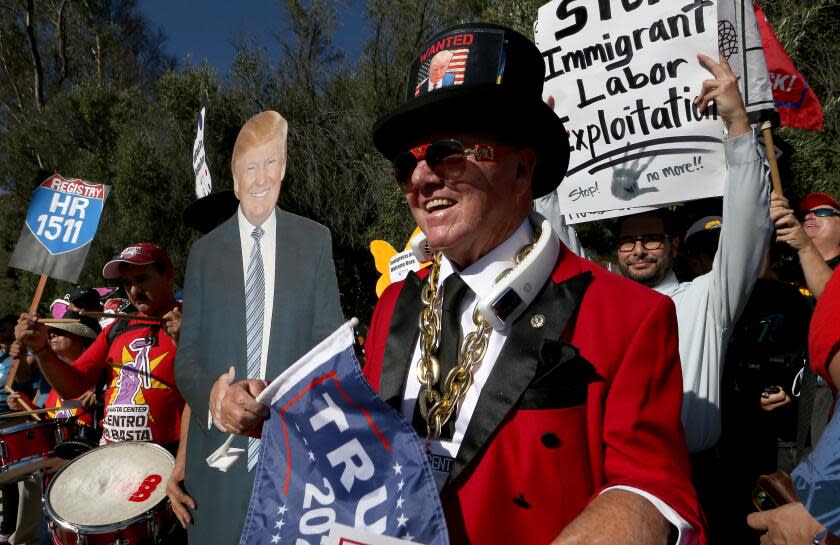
[(110, 484)]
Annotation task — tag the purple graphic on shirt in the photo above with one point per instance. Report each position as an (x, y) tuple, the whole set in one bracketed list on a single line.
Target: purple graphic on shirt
[(133, 372)]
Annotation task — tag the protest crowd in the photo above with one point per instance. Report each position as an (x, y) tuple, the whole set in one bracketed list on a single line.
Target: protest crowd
[(512, 387)]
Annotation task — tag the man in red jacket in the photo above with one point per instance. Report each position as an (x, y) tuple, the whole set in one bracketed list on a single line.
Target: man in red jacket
[(558, 419)]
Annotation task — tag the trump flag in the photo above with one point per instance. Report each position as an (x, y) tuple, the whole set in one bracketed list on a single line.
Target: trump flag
[(334, 455)]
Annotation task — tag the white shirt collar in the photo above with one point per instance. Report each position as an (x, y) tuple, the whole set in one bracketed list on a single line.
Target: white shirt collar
[(669, 285), (246, 226), (481, 275)]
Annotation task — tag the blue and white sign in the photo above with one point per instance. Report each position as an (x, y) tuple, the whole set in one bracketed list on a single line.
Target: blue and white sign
[(62, 219)]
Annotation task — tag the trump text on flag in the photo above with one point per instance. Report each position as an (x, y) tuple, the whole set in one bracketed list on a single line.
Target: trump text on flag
[(334, 453), (623, 76)]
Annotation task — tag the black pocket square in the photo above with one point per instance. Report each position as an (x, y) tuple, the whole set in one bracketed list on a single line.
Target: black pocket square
[(561, 366), (562, 378)]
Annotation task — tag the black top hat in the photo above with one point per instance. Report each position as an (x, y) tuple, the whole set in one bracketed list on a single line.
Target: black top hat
[(207, 213), (492, 83)]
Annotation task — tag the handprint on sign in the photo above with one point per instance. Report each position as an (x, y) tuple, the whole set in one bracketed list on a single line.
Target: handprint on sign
[(625, 179)]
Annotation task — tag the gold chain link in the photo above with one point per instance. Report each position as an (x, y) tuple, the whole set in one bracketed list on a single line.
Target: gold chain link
[(437, 407)]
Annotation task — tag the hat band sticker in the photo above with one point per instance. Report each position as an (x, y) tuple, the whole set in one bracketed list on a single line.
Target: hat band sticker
[(466, 57)]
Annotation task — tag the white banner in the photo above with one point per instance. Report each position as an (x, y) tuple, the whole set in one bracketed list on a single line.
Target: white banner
[(623, 76), (740, 42), (203, 183)]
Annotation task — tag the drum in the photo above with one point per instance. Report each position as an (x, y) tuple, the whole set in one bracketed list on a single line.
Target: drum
[(28, 447), (111, 494)]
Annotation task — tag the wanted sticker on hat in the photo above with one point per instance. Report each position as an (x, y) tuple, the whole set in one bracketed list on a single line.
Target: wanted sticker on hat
[(463, 57)]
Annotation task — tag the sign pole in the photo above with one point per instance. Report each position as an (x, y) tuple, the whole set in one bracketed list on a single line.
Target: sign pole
[(33, 307), (767, 130)]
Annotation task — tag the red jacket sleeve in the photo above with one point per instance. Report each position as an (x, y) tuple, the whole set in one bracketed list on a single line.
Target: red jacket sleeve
[(643, 436), (824, 336)]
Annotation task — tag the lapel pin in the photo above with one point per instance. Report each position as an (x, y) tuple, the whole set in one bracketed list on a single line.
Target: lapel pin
[(537, 320)]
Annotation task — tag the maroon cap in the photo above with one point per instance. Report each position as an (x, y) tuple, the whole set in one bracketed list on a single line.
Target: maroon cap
[(141, 253), (813, 200)]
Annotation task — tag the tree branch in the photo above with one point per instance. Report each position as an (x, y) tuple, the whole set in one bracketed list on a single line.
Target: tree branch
[(12, 81), (61, 31), (37, 69)]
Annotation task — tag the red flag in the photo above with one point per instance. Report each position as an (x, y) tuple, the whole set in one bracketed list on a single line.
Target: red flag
[(796, 102)]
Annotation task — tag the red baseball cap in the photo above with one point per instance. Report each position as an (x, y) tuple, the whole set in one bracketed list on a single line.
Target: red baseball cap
[(141, 253), (812, 200)]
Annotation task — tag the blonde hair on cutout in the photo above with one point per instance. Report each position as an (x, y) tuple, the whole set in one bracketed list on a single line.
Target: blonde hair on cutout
[(258, 130)]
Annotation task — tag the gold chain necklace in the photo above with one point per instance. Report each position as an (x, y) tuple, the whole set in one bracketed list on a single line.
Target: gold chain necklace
[(437, 406)]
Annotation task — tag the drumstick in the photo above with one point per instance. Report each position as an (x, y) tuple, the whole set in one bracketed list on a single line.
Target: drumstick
[(35, 412), (58, 321), (122, 316), (29, 410)]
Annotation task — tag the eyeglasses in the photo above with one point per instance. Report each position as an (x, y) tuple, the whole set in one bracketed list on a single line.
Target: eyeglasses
[(447, 158), (55, 333), (649, 242), (821, 212)]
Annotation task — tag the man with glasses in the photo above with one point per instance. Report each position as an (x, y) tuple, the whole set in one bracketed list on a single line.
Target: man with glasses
[(549, 411), (816, 238), (708, 306)]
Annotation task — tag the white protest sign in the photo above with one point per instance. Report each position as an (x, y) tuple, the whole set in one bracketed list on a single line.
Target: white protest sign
[(203, 183), (582, 217), (623, 75)]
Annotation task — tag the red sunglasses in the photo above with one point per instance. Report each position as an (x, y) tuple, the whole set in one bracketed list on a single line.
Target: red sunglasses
[(447, 158)]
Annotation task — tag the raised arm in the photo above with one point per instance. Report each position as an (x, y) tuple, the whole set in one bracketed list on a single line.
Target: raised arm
[(746, 228)]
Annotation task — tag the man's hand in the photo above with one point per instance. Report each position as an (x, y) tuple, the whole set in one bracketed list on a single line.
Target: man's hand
[(616, 516), (31, 333), (217, 393), (180, 500), (19, 402), (17, 350), (771, 401), (88, 399), (723, 90), (789, 524), (173, 323), (788, 228), (240, 412)]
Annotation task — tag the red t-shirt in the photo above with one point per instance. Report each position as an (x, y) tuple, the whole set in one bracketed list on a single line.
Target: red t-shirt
[(142, 402), (55, 401), (824, 337)]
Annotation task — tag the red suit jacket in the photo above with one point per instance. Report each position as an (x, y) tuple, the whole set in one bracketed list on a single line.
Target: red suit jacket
[(586, 397)]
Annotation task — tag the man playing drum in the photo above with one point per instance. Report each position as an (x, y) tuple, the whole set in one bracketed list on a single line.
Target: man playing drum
[(141, 400)]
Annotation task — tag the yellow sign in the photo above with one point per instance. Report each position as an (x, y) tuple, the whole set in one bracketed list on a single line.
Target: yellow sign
[(394, 266)]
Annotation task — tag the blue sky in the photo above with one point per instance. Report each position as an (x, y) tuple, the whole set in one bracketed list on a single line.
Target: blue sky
[(208, 29)]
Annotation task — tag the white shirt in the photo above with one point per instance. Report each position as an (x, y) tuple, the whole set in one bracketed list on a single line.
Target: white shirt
[(480, 277), (709, 305), (267, 250)]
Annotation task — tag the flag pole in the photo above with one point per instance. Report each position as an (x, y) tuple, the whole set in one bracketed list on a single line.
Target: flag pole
[(767, 130), (33, 307)]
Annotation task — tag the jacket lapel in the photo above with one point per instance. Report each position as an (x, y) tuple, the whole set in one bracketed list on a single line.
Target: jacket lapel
[(232, 279), (285, 281), (517, 363), (402, 337)]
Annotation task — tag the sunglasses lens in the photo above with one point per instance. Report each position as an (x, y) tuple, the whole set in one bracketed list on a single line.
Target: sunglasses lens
[(443, 149), (823, 212), (404, 165)]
